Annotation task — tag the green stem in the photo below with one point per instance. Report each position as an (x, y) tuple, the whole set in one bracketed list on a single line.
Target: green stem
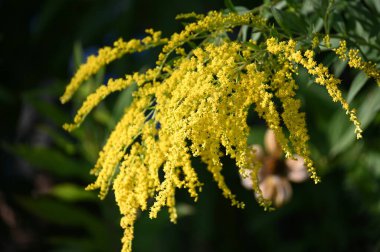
[(326, 17)]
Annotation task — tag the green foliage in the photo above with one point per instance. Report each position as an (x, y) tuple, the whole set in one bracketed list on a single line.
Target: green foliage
[(51, 160), (72, 192), (357, 22), (67, 205)]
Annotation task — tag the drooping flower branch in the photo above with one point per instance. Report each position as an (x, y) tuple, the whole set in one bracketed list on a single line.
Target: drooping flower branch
[(197, 102)]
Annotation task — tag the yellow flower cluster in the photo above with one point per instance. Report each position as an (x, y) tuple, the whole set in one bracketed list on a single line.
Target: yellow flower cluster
[(326, 41), (108, 54), (288, 52), (197, 106), (285, 86), (214, 22), (189, 15), (355, 61), (103, 91)]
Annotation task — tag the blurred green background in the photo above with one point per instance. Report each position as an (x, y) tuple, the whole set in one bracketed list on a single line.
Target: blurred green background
[(43, 169)]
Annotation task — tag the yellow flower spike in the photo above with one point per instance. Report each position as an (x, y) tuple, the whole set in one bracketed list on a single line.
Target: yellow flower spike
[(107, 55), (315, 41), (265, 107), (189, 15), (341, 50), (165, 193), (356, 61), (103, 91), (214, 20), (113, 151), (285, 87), (95, 98), (320, 72), (130, 188), (326, 41)]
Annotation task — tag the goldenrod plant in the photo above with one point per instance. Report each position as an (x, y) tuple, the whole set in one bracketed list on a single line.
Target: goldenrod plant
[(195, 102)]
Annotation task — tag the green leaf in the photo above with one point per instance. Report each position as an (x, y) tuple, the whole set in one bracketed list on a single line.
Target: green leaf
[(289, 22), (38, 99), (58, 212), (329, 59), (372, 161), (277, 14), (357, 84), (303, 78), (339, 67), (103, 116), (229, 5), (72, 193), (344, 141), (59, 139), (359, 29), (256, 135), (369, 107), (255, 36), (339, 26), (374, 4), (367, 112), (241, 9), (77, 54), (123, 101), (51, 160), (99, 76), (243, 32), (69, 215), (47, 109), (336, 126)]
